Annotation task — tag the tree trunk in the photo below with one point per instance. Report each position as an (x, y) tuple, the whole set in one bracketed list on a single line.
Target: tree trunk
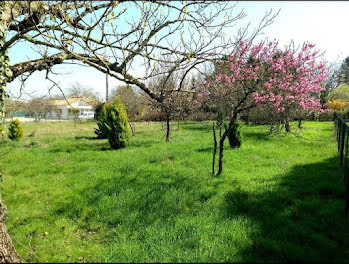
[(8, 253), (168, 128), (220, 160), (221, 142), (287, 126), (220, 130), (214, 148), (271, 129), (247, 122), (300, 123), (132, 129), (4, 60)]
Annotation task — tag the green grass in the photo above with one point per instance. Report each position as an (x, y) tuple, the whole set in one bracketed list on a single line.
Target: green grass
[(280, 198)]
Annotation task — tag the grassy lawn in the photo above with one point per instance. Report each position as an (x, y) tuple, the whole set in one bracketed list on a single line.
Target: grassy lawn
[(72, 199)]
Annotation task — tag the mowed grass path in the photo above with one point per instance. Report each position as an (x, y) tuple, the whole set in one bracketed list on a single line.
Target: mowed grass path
[(72, 199)]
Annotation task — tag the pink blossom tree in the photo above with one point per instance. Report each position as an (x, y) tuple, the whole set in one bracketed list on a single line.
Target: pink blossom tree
[(263, 73)]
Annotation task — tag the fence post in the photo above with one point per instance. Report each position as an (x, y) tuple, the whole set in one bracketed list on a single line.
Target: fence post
[(346, 154), (346, 211), (346, 173), (342, 135), (341, 150), (335, 125)]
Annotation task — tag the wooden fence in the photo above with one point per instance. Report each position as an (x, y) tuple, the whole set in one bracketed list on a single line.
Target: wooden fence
[(342, 135)]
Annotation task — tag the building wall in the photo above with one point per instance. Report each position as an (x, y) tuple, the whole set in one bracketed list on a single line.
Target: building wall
[(65, 111)]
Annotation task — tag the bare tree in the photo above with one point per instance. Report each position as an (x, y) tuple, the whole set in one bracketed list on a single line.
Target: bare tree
[(79, 90), (40, 107), (164, 86), (119, 38), (132, 102), (12, 106), (74, 113)]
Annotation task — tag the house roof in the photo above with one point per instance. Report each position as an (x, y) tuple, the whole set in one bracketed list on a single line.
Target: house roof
[(72, 100)]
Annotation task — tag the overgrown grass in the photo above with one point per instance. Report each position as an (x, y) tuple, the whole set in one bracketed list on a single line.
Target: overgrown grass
[(70, 198)]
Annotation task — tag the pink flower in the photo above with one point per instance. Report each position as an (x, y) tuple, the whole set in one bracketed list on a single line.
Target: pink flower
[(206, 93), (268, 85), (255, 97), (276, 105), (197, 103), (284, 78)]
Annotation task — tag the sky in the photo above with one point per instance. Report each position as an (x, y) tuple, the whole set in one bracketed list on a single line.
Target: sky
[(323, 23)]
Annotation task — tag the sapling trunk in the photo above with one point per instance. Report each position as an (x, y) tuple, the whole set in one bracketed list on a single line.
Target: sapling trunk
[(133, 128), (271, 129), (221, 144), (287, 126), (300, 123), (247, 122), (214, 148), (220, 160), (168, 128)]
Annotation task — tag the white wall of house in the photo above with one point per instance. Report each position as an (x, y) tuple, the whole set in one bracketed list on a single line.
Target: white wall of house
[(64, 110)]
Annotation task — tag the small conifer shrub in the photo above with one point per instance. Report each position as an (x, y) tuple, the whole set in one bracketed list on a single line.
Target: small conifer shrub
[(234, 135), (113, 123), (15, 130)]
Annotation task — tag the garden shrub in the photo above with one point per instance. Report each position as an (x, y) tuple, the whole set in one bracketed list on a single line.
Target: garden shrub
[(98, 131), (15, 130), (113, 123), (98, 110), (2, 132), (234, 135)]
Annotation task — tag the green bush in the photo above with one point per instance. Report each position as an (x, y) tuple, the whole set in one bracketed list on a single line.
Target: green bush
[(113, 123), (234, 135), (98, 131), (15, 130), (98, 110), (2, 132)]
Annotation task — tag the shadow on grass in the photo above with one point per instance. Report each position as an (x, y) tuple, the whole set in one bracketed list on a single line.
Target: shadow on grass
[(148, 199), (302, 219), (210, 149), (101, 145), (144, 143), (298, 218), (95, 144), (205, 150), (258, 136), (88, 138), (193, 126)]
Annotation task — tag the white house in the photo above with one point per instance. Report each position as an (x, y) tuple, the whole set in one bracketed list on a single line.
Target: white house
[(64, 107)]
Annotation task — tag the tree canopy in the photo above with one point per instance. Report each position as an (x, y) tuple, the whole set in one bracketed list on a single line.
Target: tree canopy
[(116, 37)]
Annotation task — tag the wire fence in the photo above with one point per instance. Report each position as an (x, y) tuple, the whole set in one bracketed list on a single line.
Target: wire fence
[(342, 135)]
